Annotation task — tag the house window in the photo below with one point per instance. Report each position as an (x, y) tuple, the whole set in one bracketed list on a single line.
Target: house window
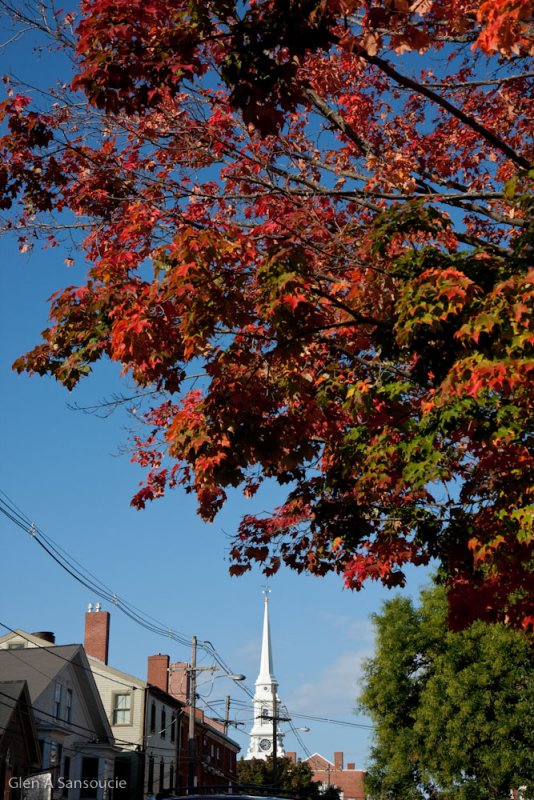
[(161, 775), (68, 708), (173, 729), (171, 777), (122, 709), (163, 732), (57, 701), (150, 786), (153, 717)]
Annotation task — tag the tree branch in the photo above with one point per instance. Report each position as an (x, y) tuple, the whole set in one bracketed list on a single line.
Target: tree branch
[(404, 80)]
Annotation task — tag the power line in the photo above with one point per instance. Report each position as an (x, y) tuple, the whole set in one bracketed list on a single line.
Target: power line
[(83, 576), (315, 718), (96, 734), (72, 567), (53, 652), (39, 711)]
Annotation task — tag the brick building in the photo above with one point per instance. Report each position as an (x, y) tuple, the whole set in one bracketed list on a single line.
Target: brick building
[(216, 753), (348, 780)]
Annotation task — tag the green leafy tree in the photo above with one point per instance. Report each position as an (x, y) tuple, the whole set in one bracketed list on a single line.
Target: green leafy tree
[(453, 712), (293, 779)]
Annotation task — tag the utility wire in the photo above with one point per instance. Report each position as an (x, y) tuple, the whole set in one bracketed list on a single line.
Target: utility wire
[(95, 585), (83, 576), (315, 718), (52, 650)]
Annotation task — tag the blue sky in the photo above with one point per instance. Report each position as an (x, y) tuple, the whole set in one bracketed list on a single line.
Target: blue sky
[(64, 469)]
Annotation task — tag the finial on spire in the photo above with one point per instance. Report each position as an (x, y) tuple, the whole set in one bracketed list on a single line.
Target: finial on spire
[(266, 591)]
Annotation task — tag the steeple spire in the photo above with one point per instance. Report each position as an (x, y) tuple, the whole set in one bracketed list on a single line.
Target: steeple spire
[(266, 700), (266, 664)]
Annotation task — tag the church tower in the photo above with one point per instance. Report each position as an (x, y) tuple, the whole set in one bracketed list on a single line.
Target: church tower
[(266, 701)]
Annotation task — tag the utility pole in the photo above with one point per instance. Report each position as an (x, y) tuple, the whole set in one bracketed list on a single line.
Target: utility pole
[(275, 719), (192, 670), (275, 738), (227, 713), (191, 744)]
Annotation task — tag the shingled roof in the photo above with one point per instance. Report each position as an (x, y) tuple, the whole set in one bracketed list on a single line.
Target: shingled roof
[(15, 709), (39, 666)]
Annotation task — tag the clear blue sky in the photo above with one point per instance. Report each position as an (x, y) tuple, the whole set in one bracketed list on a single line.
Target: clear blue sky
[(64, 470)]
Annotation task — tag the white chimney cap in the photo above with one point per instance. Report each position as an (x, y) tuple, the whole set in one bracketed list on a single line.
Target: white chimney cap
[(90, 607)]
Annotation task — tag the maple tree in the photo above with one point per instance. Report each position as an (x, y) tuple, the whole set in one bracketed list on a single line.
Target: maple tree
[(308, 239)]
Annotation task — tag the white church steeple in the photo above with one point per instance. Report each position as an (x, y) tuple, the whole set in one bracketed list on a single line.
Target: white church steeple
[(266, 700), (266, 663)]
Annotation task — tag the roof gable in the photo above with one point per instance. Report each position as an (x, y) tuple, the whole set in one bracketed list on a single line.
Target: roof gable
[(16, 715), (40, 666), (318, 761)]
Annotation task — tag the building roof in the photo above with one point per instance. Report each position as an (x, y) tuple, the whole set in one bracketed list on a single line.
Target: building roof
[(10, 692), (39, 666), (15, 701), (319, 756)]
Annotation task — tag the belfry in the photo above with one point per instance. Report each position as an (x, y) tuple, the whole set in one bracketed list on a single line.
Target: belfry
[(266, 701)]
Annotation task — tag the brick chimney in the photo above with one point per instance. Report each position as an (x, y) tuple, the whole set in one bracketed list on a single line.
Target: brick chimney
[(351, 766), (158, 671), (179, 681), (338, 760), (292, 757), (96, 641)]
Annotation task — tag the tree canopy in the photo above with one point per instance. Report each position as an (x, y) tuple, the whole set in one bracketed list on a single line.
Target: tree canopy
[(295, 779), (453, 712), (306, 239)]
